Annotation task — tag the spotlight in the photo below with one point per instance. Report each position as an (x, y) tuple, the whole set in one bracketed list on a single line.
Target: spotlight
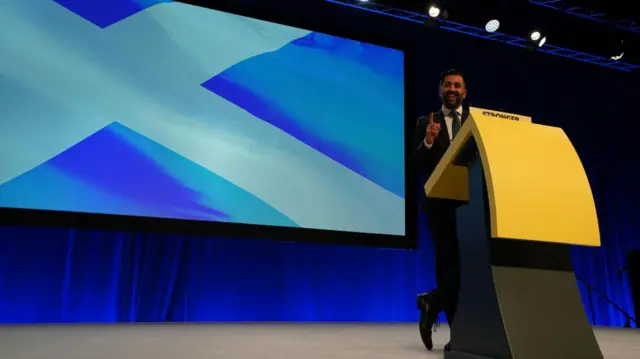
[(619, 50), (492, 26), (535, 35), (618, 57), (434, 11), (536, 40), (542, 42)]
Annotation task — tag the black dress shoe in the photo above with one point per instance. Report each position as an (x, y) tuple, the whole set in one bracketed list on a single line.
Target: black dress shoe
[(447, 347), (428, 318), (425, 331)]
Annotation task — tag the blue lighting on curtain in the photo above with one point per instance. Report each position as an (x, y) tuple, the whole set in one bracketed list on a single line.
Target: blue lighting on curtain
[(67, 275)]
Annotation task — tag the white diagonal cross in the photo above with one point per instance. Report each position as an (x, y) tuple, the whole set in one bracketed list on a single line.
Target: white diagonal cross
[(64, 78)]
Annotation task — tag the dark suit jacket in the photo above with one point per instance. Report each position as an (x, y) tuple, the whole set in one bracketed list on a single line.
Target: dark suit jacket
[(426, 159)]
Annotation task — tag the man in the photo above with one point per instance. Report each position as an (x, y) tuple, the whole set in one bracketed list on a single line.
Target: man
[(432, 137)]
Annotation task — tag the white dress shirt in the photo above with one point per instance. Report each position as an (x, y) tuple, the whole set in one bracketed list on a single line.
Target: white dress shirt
[(448, 118)]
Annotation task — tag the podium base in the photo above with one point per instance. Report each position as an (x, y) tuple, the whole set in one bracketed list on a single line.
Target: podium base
[(460, 355), (518, 299)]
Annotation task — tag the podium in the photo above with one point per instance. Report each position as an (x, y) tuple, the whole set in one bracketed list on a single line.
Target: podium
[(526, 199)]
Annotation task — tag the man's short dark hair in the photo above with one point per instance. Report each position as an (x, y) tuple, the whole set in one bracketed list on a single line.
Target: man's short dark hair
[(452, 73)]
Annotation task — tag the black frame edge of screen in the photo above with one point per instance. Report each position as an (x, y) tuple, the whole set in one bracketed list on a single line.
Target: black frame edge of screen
[(46, 218), (112, 222)]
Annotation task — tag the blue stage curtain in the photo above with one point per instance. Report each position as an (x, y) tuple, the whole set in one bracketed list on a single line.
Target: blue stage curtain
[(617, 199), (70, 275), (67, 275)]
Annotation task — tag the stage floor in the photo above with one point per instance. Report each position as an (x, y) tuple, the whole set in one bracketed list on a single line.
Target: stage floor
[(247, 341)]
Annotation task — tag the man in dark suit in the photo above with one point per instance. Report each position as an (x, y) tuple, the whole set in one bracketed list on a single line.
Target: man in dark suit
[(431, 138)]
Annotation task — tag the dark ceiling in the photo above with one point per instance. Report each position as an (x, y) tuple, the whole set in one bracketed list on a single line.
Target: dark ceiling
[(519, 17), (620, 9)]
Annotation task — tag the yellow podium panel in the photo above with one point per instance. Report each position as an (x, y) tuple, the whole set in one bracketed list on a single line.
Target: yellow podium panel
[(537, 187)]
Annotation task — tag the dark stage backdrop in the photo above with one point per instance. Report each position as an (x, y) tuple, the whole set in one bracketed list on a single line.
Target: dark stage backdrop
[(71, 275)]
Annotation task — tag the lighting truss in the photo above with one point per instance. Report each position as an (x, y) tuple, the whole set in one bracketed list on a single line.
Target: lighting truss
[(563, 6), (483, 34)]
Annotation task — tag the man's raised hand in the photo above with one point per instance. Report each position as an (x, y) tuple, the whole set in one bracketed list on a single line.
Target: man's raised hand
[(433, 128)]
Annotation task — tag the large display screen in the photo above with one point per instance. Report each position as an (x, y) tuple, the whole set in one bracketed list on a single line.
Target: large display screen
[(166, 110)]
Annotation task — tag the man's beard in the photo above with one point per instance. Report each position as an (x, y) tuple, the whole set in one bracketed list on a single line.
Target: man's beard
[(452, 103)]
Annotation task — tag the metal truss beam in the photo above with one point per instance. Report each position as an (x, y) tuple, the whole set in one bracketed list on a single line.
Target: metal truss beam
[(371, 6), (563, 6)]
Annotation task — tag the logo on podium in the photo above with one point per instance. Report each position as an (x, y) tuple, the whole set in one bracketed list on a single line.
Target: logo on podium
[(476, 112)]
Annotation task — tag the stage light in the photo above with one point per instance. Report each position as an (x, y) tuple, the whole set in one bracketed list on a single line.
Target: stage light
[(536, 40), (542, 42), (434, 11), (618, 50), (618, 57), (478, 32), (535, 35), (492, 25)]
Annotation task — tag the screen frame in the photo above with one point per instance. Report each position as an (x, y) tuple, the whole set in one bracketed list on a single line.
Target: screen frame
[(311, 22)]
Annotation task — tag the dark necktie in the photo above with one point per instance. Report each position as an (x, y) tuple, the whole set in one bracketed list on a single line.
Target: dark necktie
[(455, 126)]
